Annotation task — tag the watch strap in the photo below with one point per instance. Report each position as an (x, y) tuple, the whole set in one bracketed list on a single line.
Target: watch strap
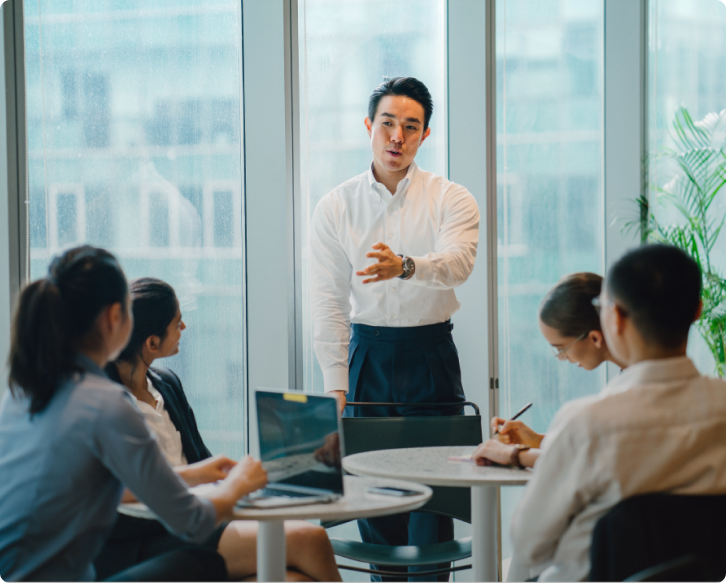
[(514, 458)]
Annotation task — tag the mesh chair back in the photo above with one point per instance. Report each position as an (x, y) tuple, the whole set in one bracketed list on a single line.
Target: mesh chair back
[(650, 529)]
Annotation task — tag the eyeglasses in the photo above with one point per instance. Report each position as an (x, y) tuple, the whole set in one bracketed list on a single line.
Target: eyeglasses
[(559, 353)]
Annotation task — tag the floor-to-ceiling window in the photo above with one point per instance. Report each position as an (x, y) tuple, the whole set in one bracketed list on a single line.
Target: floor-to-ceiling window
[(346, 49), (549, 192), (134, 133), (686, 68)]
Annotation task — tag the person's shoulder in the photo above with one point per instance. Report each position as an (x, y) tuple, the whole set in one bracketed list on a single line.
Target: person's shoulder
[(165, 374), (334, 204), (101, 398), (575, 418), (441, 184), (165, 381), (346, 190)]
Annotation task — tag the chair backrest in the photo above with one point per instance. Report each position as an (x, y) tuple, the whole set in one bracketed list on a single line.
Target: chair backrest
[(644, 531), (687, 568), (375, 433)]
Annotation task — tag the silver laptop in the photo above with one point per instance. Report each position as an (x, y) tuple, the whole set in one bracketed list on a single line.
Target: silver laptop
[(301, 445)]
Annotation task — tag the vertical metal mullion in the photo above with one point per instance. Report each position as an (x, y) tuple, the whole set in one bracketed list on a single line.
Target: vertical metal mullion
[(17, 183), (243, 163), (295, 218), (492, 243), (491, 218)]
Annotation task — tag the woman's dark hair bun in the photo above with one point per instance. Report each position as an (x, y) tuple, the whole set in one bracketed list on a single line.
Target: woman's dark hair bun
[(568, 308), (54, 319)]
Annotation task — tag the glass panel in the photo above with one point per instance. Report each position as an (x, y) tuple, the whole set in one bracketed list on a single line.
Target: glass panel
[(347, 49), (550, 194), (687, 67), (133, 111)]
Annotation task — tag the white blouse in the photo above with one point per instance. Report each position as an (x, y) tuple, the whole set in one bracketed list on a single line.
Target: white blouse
[(161, 426)]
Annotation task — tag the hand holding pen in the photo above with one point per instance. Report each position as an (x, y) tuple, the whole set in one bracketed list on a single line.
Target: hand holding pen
[(513, 431)]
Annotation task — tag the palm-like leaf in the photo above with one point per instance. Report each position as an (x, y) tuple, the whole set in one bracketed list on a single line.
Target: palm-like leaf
[(699, 158)]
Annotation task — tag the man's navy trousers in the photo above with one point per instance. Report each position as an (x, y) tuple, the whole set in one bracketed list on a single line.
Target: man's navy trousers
[(404, 365)]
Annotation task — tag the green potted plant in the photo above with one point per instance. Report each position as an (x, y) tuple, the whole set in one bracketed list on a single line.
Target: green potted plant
[(689, 212)]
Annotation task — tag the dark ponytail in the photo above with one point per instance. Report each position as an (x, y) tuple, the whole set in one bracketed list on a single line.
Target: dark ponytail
[(568, 306), (154, 305), (54, 318)]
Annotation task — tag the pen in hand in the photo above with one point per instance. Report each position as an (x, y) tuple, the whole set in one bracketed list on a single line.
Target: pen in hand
[(518, 414)]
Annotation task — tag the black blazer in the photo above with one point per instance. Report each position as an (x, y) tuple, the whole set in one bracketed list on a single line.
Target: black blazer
[(180, 412)]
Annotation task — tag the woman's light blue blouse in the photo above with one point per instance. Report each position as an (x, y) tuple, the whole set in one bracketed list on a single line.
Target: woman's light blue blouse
[(62, 473)]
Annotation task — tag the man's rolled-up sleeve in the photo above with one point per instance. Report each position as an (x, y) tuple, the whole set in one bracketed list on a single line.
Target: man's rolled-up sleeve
[(331, 273), (124, 445), (452, 261)]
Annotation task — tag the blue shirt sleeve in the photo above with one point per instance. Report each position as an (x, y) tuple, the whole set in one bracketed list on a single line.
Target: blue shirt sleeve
[(123, 444)]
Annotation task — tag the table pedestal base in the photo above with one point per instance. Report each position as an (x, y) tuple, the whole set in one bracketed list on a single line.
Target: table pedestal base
[(271, 552), (484, 521)]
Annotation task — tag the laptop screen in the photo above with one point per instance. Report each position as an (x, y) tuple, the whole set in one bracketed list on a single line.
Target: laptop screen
[(300, 442)]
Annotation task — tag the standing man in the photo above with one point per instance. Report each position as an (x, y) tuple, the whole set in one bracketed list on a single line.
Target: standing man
[(388, 247)]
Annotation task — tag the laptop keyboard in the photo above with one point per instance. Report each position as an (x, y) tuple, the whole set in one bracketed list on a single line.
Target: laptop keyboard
[(267, 492)]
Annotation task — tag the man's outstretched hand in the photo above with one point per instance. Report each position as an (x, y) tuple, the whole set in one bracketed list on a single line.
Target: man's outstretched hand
[(389, 264)]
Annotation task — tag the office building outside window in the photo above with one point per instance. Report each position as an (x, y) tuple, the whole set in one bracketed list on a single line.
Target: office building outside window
[(134, 133)]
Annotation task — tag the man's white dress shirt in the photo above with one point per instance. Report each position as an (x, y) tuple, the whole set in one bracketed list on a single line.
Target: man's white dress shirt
[(430, 219), (657, 427), (161, 426)]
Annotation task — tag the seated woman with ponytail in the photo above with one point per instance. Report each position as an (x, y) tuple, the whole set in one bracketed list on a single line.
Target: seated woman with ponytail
[(570, 323), (71, 439), (158, 327)]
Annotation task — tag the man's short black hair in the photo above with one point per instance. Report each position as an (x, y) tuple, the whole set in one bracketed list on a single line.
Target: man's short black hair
[(407, 87), (659, 287)]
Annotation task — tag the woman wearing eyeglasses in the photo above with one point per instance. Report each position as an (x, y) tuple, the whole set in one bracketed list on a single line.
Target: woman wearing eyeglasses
[(569, 320)]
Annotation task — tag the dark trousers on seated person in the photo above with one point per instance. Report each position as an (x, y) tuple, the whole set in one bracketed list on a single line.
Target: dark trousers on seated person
[(186, 564), (404, 365), (135, 541)]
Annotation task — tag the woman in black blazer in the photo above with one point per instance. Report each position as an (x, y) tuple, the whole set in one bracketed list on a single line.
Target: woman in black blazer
[(157, 330)]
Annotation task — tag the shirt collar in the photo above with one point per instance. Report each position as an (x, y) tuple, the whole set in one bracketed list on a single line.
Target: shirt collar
[(402, 187), (159, 407), (88, 365), (663, 370)]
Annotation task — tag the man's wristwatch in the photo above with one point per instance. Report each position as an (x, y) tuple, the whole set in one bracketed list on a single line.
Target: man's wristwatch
[(408, 267), (514, 458)]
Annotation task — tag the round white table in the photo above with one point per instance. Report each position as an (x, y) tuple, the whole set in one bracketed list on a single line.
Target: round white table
[(356, 503), (431, 466)]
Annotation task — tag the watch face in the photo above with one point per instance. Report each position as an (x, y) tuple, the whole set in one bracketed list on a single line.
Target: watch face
[(407, 266)]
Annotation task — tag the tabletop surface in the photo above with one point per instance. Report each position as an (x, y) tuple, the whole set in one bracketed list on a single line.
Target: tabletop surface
[(357, 503), (431, 465)]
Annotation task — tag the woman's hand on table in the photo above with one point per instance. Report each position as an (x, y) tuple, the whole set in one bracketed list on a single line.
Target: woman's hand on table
[(210, 470), (245, 477), (492, 451), (516, 432)]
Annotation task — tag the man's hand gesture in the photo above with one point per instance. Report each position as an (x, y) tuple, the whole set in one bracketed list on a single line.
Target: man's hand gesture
[(389, 264)]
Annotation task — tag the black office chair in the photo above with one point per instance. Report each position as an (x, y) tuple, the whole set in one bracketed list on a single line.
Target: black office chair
[(376, 433), (686, 568), (661, 537)]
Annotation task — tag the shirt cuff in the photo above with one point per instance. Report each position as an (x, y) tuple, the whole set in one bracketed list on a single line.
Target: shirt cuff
[(424, 269), (335, 379)]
